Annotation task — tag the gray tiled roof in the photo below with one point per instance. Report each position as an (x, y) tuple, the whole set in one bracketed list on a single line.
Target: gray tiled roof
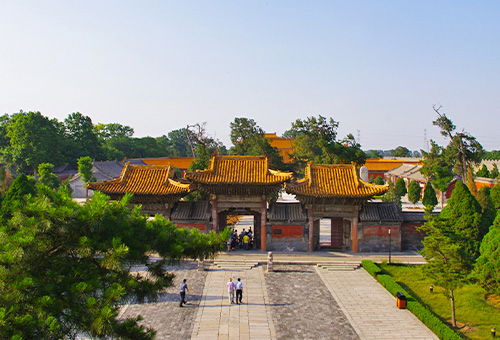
[(410, 171), (199, 211), (287, 212), (413, 216), (107, 169), (380, 212)]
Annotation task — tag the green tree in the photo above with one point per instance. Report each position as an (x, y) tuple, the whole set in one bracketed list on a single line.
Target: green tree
[(495, 195), (315, 140), (487, 268), (483, 172), (487, 208), (373, 154), (85, 165), (414, 191), (81, 136), (471, 184), (379, 180), (392, 195), (65, 267), (401, 151), (113, 130), (47, 176), (33, 139), (463, 148), (21, 189), (401, 187), (247, 138), (465, 213), (447, 263), (429, 200), (438, 168), (494, 171)]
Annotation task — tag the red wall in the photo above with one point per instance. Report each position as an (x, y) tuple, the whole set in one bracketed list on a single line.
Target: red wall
[(200, 227), (289, 231)]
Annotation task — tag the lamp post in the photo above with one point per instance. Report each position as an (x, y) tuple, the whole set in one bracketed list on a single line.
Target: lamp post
[(389, 245)]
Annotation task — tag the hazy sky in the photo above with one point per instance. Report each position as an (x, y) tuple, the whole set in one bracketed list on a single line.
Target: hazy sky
[(374, 66)]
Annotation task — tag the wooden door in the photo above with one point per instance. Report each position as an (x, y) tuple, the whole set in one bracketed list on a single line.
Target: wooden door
[(337, 232)]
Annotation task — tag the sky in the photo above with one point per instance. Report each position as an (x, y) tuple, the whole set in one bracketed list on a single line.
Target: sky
[(376, 67)]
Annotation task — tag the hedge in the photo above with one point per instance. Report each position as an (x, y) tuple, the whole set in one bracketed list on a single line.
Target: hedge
[(431, 320)]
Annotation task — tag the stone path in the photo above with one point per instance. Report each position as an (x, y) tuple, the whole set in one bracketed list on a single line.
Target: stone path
[(218, 319), (371, 309), (302, 306)]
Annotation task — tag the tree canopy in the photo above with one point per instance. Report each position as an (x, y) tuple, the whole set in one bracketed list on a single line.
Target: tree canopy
[(414, 191), (401, 151)]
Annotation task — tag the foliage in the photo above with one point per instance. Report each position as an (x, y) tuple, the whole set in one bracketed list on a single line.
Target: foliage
[(113, 130), (85, 165), (247, 138), (33, 139), (483, 172), (414, 191), (392, 195), (373, 154), (64, 267), (46, 175), (378, 180), (21, 189), (79, 132), (494, 173), (465, 214), (471, 184), (400, 187), (420, 311), (437, 167), (492, 155), (315, 140), (429, 200), (487, 268), (488, 210), (495, 195), (401, 151)]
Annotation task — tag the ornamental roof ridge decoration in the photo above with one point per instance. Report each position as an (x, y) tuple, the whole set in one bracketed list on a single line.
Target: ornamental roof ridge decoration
[(143, 179), (333, 180), (236, 169)]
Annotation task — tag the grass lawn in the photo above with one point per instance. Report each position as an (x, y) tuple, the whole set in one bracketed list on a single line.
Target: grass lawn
[(475, 317)]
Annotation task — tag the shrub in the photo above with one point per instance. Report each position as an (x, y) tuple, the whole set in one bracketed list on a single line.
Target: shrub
[(425, 315)]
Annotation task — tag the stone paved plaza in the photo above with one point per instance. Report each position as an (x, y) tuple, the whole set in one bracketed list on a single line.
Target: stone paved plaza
[(293, 302)]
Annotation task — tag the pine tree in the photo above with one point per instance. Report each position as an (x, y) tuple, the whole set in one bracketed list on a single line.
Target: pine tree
[(494, 173), (414, 191), (391, 195), (471, 184), (487, 268), (488, 210), (466, 215), (378, 180), (400, 187), (430, 199), (47, 176), (495, 195), (483, 172)]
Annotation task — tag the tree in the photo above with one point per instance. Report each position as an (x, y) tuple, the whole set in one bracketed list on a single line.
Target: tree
[(46, 175), (414, 191), (447, 264), (392, 195), (494, 171), (248, 139), (487, 208), (113, 130), (483, 172), (401, 151), (401, 187), (471, 184), (81, 135), (487, 268), (465, 214), (464, 149), (373, 154), (85, 165), (315, 140), (495, 195), (429, 200), (21, 189), (64, 267), (438, 168), (378, 180), (33, 139)]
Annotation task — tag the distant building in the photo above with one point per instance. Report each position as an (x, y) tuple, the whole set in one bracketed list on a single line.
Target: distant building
[(378, 167), (284, 145), (101, 170)]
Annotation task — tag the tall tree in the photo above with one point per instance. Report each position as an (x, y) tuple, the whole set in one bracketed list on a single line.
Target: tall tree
[(315, 139), (46, 175), (65, 267), (483, 172), (373, 154), (414, 192), (494, 171), (112, 130), (33, 139), (401, 151), (487, 268), (437, 168), (81, 134), (429, 200), (488, 209), (392, 194), (495, 195), (463, 147), (401, 187), (447, 263)]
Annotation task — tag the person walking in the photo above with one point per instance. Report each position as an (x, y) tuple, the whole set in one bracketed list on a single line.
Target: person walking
[(230, 290), (246, 242), (239, 291), (182, 291)]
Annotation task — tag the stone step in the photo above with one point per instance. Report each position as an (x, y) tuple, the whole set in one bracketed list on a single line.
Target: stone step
[(339, 266)]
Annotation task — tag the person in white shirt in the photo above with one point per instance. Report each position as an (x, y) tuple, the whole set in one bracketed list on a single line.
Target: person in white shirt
[(230, 290), (239, 291)]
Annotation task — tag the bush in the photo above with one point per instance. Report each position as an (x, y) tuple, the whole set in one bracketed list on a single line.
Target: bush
[(425, 315)]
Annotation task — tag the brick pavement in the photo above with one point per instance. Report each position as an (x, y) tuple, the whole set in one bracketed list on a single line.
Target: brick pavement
[(371, 309), (218, 319), (302, 306)]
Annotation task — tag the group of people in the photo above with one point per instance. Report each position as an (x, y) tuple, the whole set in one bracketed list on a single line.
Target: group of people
[(234, 289), (242, 241)]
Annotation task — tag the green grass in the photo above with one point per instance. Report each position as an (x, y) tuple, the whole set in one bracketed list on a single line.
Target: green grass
[(471, 308)]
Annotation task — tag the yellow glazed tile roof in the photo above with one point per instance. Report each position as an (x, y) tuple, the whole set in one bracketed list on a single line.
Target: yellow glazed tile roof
[(142, 179), (176, 162), (239, 170), (333, 180), (382, 164)]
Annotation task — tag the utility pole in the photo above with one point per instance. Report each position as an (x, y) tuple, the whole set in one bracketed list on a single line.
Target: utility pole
[(189, 140)]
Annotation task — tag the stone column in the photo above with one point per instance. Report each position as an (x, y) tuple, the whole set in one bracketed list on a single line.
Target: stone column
[(215, 216), (310, 222), (263, 224), (269, 261), (354, 234)]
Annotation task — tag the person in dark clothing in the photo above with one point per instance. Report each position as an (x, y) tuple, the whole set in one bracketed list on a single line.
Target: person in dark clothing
[(182, 290), (239, 291)]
